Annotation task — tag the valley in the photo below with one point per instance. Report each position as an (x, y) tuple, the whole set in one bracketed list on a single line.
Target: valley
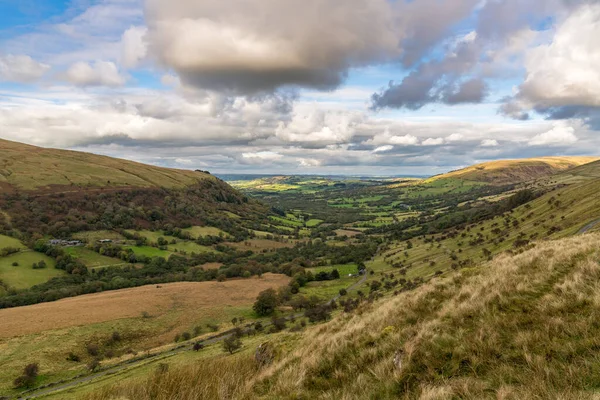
[(103, 285)]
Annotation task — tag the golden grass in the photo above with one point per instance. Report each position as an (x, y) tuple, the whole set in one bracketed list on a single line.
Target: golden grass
[(502, 172), (126, 303), (31, 167)]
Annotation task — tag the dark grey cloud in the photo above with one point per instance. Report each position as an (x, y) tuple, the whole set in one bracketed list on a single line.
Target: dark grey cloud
[(248, 46), (458, 76), (436, 81)]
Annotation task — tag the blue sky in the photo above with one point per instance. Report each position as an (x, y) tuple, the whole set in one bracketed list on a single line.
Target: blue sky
[(311, 86)]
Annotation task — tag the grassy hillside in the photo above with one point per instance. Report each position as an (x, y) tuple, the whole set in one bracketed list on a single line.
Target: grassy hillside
[(505, 172), (519, 327), (30, 167)]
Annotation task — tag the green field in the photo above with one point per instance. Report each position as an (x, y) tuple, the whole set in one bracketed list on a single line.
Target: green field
[(23, 276), (311, 223), (343, 269), (7, 241), (91, 259), (149, 251)]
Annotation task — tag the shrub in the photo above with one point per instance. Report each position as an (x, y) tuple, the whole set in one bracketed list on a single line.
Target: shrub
[(186, 336), (92, 349), (73, 357), (343, 292)]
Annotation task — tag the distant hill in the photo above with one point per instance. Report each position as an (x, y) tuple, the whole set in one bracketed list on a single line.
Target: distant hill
[(30, 167), (506, 172)]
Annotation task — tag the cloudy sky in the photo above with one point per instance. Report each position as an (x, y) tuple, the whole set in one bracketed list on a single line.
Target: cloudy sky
[(303, 86)]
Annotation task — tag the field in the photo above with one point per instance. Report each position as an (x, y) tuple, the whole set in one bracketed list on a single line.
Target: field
[(23, 276), (149, 251), (94, 236), (190, 247), (198, 231), (91, 259), (47, 332), (261, 244), (7, 241)]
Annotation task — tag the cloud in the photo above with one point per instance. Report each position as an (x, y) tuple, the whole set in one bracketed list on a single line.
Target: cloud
[(101, 73), (561, 134), (382, 149), (134, 47), (433, 142), (21, 68), (455, 71), (563, 75), (248, 46), (489, 143)]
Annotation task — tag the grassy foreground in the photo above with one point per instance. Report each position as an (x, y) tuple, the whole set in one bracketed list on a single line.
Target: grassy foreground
[(518, 327)]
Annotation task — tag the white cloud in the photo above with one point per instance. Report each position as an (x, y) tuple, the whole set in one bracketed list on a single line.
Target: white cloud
[(566, 71), (455, 137), (382, 149), (433, 142), (134, 47), (101, 73), (561, 134), (489, 143), (21, 68)]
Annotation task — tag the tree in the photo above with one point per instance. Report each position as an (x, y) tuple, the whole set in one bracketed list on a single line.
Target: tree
[(231, 344), (343, 292), (266, 302)]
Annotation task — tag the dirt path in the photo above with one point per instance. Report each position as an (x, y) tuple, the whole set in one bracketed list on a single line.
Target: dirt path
[(589, 226)]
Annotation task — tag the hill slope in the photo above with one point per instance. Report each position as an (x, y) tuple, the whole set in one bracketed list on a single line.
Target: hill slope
[(30, 167), (506, 172), (519, 327)]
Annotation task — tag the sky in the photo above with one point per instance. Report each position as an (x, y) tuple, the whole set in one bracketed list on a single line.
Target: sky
[(357, 87)]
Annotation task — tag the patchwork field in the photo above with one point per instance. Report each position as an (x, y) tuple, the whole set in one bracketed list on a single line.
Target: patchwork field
[(48, 332)]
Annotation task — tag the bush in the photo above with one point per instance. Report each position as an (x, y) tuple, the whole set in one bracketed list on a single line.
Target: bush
[(73, 357), (186, 336), (92, 349), (343, 292), (15, 264), (94, 364), (30, 372)]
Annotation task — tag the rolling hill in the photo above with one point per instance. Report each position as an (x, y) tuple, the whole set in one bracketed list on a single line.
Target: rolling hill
[(60, 192), (506, 172), (29, 167)]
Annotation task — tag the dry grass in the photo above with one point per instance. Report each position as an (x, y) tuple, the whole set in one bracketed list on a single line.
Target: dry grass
[(220, 379), (519, 327), (126, 303), (261, 244), (515, 171), (31, 167)]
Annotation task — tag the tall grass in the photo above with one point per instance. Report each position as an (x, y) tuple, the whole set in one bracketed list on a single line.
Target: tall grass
[(221, 378)]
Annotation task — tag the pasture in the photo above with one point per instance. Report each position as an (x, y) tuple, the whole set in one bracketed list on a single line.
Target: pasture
[(91, 259), (23, 275)]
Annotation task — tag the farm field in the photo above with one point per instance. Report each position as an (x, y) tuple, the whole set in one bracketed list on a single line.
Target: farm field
[(149, 251), (91, 259), (47, 332), (24, 276), (198, 231), (7, 241)]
